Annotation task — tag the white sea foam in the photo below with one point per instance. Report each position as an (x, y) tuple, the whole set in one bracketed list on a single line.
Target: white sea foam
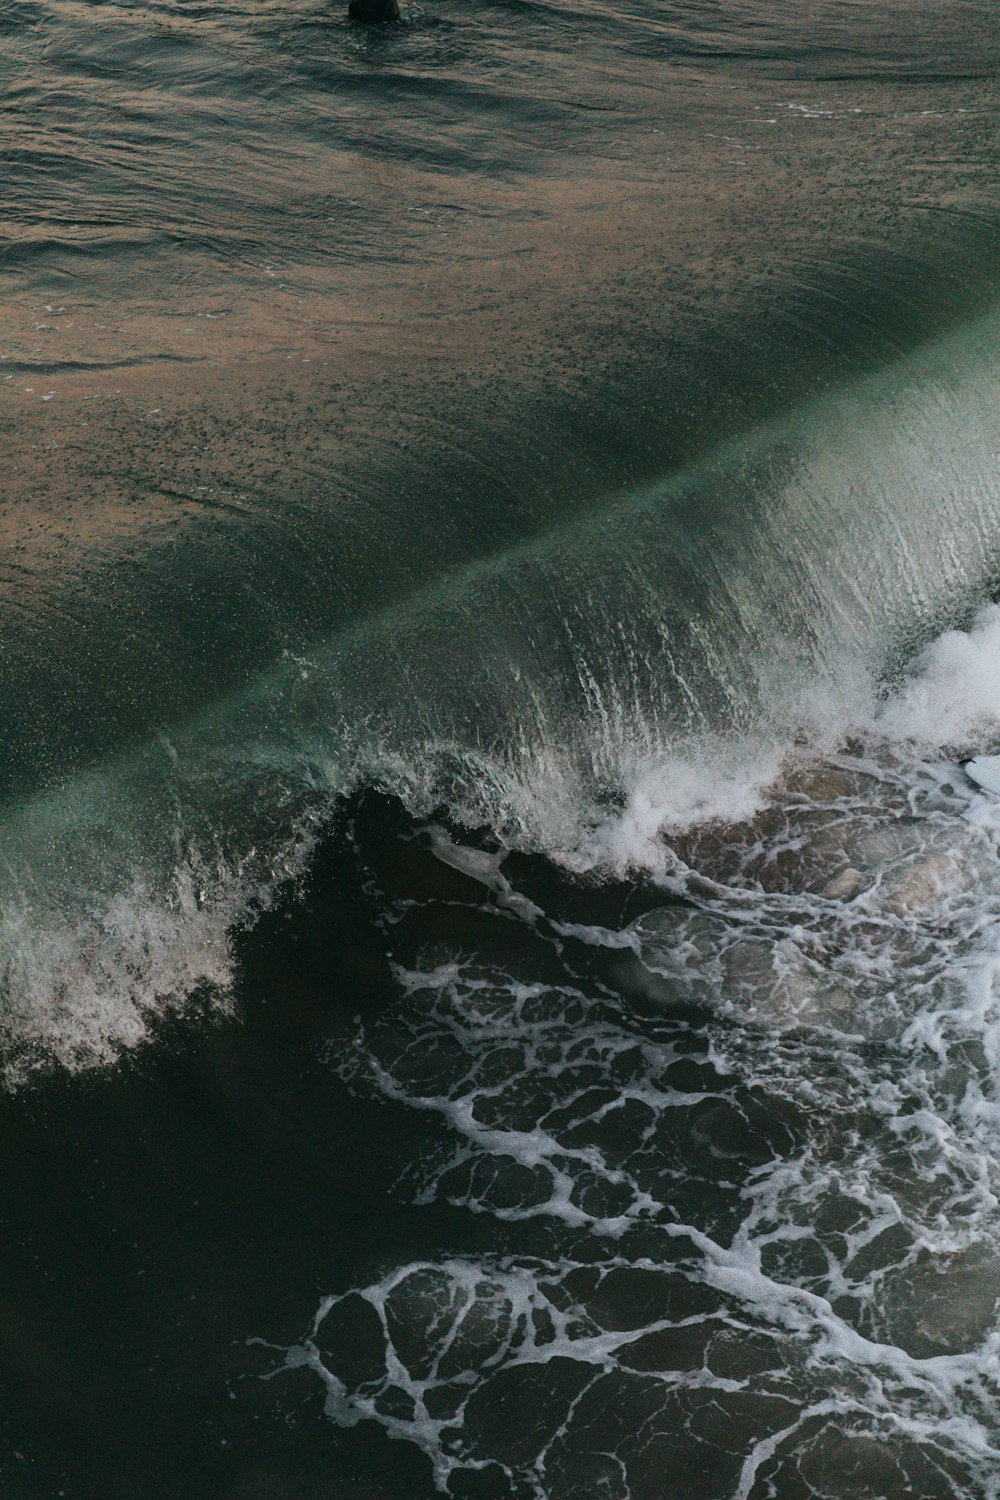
[(947, 708), (95, 951), (87, 978), (776, 1257), (80, 992), (952, 696)]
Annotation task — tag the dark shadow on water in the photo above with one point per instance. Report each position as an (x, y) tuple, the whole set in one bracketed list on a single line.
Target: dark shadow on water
[(158, 1216)]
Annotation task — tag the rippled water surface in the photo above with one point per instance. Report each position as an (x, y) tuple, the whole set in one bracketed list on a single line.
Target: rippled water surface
[(499, 556)]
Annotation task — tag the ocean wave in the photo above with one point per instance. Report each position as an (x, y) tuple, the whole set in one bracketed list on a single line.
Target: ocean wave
[(650, 663)]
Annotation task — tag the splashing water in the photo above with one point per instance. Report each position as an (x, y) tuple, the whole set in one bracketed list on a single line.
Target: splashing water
[(745, 1192)]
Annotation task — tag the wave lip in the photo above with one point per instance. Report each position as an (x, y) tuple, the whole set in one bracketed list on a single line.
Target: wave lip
[(645, 664)]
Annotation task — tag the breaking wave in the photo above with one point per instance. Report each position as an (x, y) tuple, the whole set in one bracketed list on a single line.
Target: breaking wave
[(651, 662)]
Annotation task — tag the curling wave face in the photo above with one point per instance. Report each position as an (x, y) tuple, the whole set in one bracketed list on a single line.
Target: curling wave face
[(656, 653)]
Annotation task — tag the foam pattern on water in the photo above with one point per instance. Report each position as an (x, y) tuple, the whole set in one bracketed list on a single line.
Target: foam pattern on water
[(745, 1193)]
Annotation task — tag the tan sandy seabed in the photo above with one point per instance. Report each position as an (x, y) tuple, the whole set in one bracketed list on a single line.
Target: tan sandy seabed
[(143, 390)]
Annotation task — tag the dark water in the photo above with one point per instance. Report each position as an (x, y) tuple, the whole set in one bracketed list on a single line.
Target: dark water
[(499, 526)]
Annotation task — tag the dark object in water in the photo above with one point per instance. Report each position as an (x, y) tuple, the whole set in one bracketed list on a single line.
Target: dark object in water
[(373, 12)]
